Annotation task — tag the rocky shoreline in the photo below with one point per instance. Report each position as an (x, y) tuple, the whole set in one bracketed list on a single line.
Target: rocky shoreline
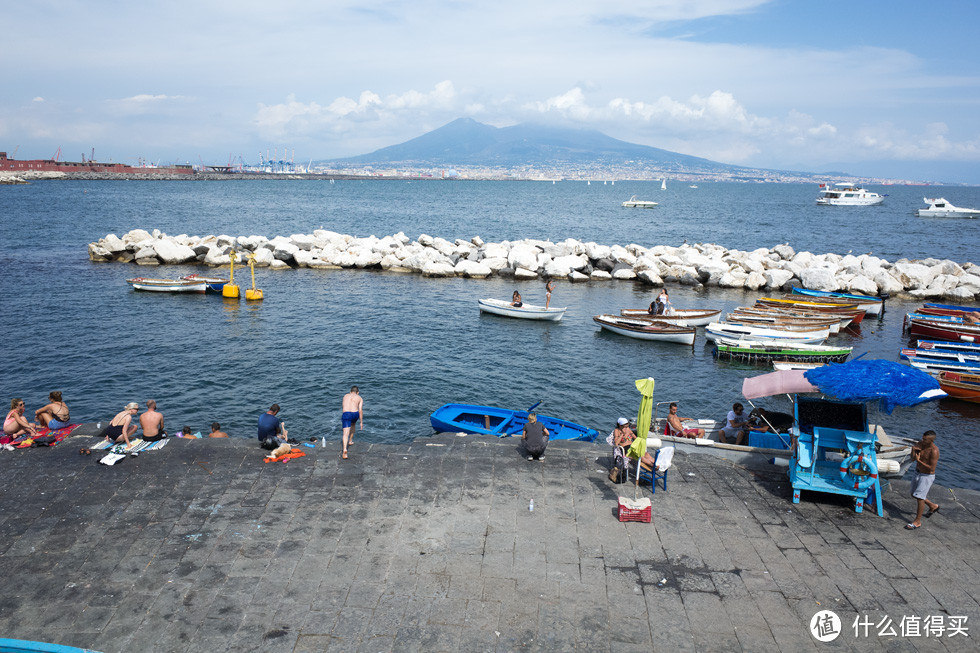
[(698, 265)]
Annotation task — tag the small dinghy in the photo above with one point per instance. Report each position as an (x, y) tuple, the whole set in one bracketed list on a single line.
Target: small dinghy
[(765, 352), (692, 317), (502, 422), (524, 312), (168, 285), (805, 334), (646, 329), (214, 284)]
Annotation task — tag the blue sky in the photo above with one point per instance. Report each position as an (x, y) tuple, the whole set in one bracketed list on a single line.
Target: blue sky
[(889, 88)]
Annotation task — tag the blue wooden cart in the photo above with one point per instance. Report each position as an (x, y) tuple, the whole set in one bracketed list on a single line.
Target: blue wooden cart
[(839, 428)]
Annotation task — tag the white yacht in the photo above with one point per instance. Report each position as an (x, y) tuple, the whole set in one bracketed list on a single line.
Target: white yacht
[(848, 194), (633, 203), (940, 208)]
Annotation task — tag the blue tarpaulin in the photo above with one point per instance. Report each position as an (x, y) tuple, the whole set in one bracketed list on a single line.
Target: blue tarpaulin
[(893, 384)]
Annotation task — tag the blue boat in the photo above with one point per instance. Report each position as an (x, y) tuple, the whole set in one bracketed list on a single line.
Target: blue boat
[(952, 307), (214, 284), (871, 305), (502, 422)]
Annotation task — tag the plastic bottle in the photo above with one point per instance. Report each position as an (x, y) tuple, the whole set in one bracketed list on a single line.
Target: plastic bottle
[(323, 441), (530, 506)]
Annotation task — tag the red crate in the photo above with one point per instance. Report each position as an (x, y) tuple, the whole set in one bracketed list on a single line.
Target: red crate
[(635, 510)]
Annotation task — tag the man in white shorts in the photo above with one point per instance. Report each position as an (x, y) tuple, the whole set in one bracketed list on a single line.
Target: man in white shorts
[(925, 453)]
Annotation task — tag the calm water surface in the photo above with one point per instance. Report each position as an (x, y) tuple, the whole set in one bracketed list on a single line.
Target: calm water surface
[(411, 343)]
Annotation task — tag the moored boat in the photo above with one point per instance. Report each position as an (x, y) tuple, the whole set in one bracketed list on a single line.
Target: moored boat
[(502, 422), (844, 318), (778, 321), (944, 330), (167, 285), (940, 208), (524, 312), (955, 346), (764, 352), (813, 306), (646, 329), (965, 387), (847, 194), (871, 305), (214, 284), (796, 334), (692, 317)]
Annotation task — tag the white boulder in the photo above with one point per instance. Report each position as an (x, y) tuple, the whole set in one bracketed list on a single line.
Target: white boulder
[(754, 281), (473, 269), (438, 269), (524, 273), (777, 278), (523, 256), (171, 253), (862, 285), (818, 278), (600, 275)]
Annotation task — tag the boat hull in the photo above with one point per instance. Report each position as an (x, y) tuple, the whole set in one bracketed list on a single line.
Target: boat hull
[(871, 305), (502, 422), (525, 312), (646, 330), (167, 285), (965, 387), (717, 330), (760, 352), (680, 317), (939, 331)]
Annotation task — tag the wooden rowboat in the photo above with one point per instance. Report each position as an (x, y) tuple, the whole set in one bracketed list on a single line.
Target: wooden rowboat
[(646, 329), (844, 319), (214, 284), (813, 307), (167, 285), (965, 387), (807, 335), (524, 312), (778, 322), (765, 352), (871, 305), (692, 317), (945, 330)]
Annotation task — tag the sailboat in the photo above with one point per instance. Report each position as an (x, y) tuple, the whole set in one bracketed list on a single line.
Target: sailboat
[(663, 184)]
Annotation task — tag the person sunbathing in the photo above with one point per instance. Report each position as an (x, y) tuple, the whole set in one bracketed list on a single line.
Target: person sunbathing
[(120, 428), (55, 414), (676, 424), (15, 424), (623, 436)]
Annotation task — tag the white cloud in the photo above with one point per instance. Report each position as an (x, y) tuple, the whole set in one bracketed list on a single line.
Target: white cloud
[(38, 99)]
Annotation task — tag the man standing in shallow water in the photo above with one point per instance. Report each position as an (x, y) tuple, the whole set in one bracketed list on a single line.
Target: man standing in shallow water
[(925, 453), (352, 407)]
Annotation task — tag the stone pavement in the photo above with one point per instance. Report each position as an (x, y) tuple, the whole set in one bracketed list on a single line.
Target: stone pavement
[(431, 546)]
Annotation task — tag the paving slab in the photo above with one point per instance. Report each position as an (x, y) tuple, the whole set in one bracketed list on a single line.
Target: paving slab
[(431, 546)]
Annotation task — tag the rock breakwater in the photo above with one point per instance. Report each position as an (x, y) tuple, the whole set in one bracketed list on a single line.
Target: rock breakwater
[(700, 264)]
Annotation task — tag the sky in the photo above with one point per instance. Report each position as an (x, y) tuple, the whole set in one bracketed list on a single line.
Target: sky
[(870, 88)]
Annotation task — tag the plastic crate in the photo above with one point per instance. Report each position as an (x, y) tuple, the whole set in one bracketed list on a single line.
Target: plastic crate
[(635, 510)]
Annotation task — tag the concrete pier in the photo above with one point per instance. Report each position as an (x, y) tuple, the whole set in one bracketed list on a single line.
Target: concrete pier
[(430, 546)]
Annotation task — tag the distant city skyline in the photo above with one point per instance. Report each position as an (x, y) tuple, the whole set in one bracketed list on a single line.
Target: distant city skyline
[(876, 90)]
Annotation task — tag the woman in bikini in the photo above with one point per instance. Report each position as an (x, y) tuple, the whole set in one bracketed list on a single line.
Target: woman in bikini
[(548, 287), (55, 415), (516, 300), (623, 436), (119, 428), (15, 424)]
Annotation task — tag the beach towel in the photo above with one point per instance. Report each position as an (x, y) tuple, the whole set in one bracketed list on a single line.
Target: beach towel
[(52, 437), (285, 457)]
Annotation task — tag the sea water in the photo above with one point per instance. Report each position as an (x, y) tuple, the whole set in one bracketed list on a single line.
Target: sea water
[(413, 343)]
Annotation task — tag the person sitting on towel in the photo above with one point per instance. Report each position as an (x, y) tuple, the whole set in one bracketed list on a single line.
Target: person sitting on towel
[(186, 433), (677, 427), (55, 414), (120, 429), (15, 424), (152, 423)]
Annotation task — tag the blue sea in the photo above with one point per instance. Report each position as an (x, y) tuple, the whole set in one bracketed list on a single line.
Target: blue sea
[(413, 343)]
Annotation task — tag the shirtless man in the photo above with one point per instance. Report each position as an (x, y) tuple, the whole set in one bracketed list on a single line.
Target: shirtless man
[(152, 423), (352, 408), (925, 453), (677, 426), (216, 431)]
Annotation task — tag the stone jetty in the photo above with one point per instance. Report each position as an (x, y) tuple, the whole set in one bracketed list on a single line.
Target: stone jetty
[(700, 264), (430, 546)]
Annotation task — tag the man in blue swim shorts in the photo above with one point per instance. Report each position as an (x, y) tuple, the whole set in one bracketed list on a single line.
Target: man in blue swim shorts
[(352, 408)]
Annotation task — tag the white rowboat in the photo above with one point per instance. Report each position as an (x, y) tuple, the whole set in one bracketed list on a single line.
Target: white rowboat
[(524, 312), (646, 329)]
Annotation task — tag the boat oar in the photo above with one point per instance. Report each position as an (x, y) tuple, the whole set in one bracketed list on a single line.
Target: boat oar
[(231, 290), (533, 407)]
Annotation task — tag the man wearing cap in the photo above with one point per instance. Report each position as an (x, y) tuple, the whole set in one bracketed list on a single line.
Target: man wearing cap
[(272, 433)]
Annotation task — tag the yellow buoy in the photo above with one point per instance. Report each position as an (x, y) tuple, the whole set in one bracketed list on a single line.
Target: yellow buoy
[(230, 290), (252, 294)]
